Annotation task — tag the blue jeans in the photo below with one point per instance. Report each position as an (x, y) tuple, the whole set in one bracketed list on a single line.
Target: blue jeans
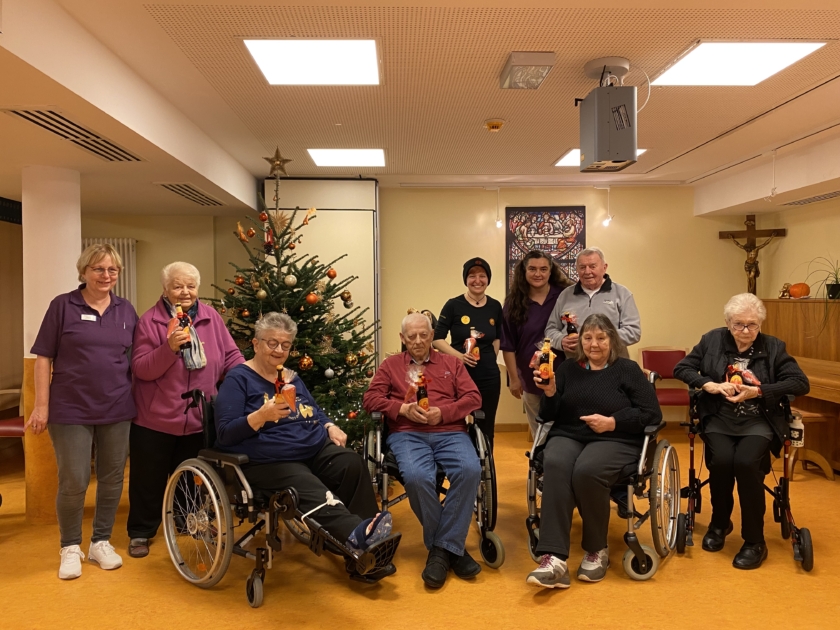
[(417, 454)]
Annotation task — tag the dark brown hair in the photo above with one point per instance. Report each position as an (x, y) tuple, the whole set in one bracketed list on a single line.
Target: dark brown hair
[(518, 299)]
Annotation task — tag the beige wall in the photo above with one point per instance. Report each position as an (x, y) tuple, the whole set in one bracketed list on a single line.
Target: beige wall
[(11, 311), (812, 231), (228, 250), (679, 271), (160, 241)]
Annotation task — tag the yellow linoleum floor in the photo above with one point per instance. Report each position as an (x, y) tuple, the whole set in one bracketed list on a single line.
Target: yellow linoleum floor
[(697, 590)]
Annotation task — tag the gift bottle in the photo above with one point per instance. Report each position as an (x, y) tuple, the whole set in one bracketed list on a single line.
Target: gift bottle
[(183, 322), (422, 394), (571, 329), (545, 362)]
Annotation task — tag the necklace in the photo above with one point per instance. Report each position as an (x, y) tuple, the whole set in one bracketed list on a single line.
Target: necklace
[(470, 298)]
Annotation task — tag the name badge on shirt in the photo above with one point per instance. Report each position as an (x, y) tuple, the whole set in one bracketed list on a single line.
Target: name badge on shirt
[(88, 318)]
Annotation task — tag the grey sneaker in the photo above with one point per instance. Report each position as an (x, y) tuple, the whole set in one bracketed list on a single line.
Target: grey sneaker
[(593, 567), (552, 573)]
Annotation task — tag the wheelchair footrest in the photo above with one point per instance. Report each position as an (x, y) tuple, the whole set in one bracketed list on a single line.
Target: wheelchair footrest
[(375, 558)]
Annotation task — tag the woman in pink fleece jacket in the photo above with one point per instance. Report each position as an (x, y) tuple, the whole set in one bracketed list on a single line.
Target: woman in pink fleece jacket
[(166, 362)]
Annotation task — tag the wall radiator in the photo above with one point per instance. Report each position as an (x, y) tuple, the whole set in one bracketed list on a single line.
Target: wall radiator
[(126, 286)]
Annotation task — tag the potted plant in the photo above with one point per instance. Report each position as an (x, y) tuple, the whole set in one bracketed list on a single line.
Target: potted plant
[(826, 273)]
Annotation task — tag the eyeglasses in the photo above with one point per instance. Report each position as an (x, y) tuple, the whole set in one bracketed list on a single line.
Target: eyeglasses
[(101, 271), (273, 344), (743, 327)]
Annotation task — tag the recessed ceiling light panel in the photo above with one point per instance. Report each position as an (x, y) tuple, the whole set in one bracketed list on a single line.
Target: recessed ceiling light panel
[(572, 157), (348, 157), (316, 61), (526, 70), (734, 63)]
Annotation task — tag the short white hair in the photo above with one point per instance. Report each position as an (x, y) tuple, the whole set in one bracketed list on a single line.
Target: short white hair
[(275, 321), (179, 268), (744, 304), (589, 251), (412, 317)]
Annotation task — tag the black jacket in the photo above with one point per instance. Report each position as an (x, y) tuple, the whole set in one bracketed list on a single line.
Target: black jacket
[(778, 372)]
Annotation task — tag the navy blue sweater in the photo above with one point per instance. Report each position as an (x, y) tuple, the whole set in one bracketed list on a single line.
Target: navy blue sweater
[(299, 437)]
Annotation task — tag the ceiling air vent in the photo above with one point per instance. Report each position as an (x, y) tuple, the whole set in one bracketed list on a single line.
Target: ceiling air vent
[(814, 199), (196, 195), (79, 135)]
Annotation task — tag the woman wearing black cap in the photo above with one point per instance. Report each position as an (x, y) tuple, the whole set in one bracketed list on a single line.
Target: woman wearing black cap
[(478, 316)]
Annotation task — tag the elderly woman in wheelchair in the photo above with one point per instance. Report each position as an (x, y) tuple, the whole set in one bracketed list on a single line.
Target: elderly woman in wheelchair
[(604, 411), (281, 458)]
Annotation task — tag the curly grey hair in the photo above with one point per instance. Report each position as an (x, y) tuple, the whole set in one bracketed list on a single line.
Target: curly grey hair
[(275, 321), (744, 304)]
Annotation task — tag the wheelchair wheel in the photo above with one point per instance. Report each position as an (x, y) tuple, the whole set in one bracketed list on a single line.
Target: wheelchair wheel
[(197, 523), (664, 497), (254, 590), (806, 549), (369, 450), (492, 550), (488, 480), (631, 564), (681, 533), (299, 530)]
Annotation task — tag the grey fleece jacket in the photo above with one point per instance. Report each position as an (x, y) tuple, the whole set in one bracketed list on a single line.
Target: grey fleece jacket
[(612, 300)]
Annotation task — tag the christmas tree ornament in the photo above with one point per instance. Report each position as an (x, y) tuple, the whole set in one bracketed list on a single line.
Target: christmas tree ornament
[(290, 280), (294, 354), (239, 280), (351, 359), (320, 286), (362, 354), (263, 216), (292, 245), (311, 299), (346, 296), (331, 273), (278, 164), (332, 392), (309, 213), (246, 313), (231, 291), (348, 304), (305, 363), (352, 415), (223, 310), (239, 233), (369, 373), (255, 285), (329, 373), (251, 232), (261, 294), (268, 245)]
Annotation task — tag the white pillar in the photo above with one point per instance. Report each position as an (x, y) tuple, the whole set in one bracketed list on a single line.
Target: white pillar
[(52, 241)]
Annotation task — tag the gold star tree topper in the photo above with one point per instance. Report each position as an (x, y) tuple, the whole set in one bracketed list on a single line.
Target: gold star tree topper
[(278, 163)]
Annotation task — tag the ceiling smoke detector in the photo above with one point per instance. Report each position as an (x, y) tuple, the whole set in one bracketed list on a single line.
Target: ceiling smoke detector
[(493, 125)]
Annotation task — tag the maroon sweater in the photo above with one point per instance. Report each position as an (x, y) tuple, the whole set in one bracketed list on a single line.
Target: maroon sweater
[(450, 389)]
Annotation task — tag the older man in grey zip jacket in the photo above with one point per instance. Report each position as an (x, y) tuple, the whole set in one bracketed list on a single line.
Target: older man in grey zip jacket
[(595, 292)]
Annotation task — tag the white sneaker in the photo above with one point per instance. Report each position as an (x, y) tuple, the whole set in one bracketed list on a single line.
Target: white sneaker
[(552, 573), (104, 555), (71, 562), (593, 567)]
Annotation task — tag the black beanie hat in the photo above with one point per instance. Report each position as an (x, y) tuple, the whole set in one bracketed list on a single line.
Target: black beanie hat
[(477, 262)]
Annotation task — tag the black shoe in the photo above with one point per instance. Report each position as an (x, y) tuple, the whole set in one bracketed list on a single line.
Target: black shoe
[(464, 566), (437, 567), (715, 537), (751, 556)]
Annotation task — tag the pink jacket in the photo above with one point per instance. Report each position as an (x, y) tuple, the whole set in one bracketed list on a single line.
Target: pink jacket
[(160, 376)]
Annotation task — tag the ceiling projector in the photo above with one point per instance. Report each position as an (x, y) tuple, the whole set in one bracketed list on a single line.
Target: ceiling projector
[(608, 118)]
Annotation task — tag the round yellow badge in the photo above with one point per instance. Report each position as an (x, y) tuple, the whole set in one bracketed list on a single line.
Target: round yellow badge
[(465, 319), (492, 322)]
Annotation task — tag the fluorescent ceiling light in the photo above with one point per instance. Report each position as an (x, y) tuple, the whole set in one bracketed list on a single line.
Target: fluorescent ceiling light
[(347, 157), (572, 157), (316, 61), (734, 63), (526, 70)]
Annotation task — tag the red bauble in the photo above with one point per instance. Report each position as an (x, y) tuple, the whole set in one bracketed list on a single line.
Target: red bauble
[(305, 362), (246, 313), (231, 291), (331, 274), (263, 216), (311, 299), (369, 373), (239, 280), (352, 415), (251, 232), (223, 311), (292, 245)]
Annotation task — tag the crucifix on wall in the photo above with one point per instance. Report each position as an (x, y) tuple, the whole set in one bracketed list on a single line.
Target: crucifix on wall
[(750, 246)]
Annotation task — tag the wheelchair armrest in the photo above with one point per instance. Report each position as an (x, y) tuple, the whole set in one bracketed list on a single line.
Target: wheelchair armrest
[(652, 377), (378, 417), (540, 420), (234, 459), (478, 414), (654, 429)]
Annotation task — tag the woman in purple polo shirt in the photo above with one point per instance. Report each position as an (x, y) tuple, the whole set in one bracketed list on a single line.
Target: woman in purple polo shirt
[(85, 339), (537, 283), (164, 434)]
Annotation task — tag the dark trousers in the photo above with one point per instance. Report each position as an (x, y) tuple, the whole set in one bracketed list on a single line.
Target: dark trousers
[(339, 470), (747, 460), (490, 392), (154, 457), (582, 474)]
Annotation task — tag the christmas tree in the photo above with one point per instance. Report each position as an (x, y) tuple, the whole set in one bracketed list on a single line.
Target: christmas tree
[(334, 352)]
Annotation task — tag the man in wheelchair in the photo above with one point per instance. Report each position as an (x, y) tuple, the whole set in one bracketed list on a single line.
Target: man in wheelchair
[(430, 432), (265, 412)]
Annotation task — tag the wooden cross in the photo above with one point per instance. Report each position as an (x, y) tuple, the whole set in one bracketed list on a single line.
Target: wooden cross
[(751, 264)]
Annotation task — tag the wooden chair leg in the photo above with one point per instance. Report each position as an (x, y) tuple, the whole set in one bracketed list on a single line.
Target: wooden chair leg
[(807, 455)]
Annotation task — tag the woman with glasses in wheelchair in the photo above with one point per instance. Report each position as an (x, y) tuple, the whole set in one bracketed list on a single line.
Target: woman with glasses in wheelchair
[(296, 447), (743, 375), (600, 404)]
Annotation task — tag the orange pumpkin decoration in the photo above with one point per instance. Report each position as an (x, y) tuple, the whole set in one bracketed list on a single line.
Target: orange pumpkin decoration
[(800, 290)]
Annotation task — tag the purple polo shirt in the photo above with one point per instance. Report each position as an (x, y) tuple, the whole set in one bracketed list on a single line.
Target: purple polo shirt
[(523, 340), (91, 380)]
